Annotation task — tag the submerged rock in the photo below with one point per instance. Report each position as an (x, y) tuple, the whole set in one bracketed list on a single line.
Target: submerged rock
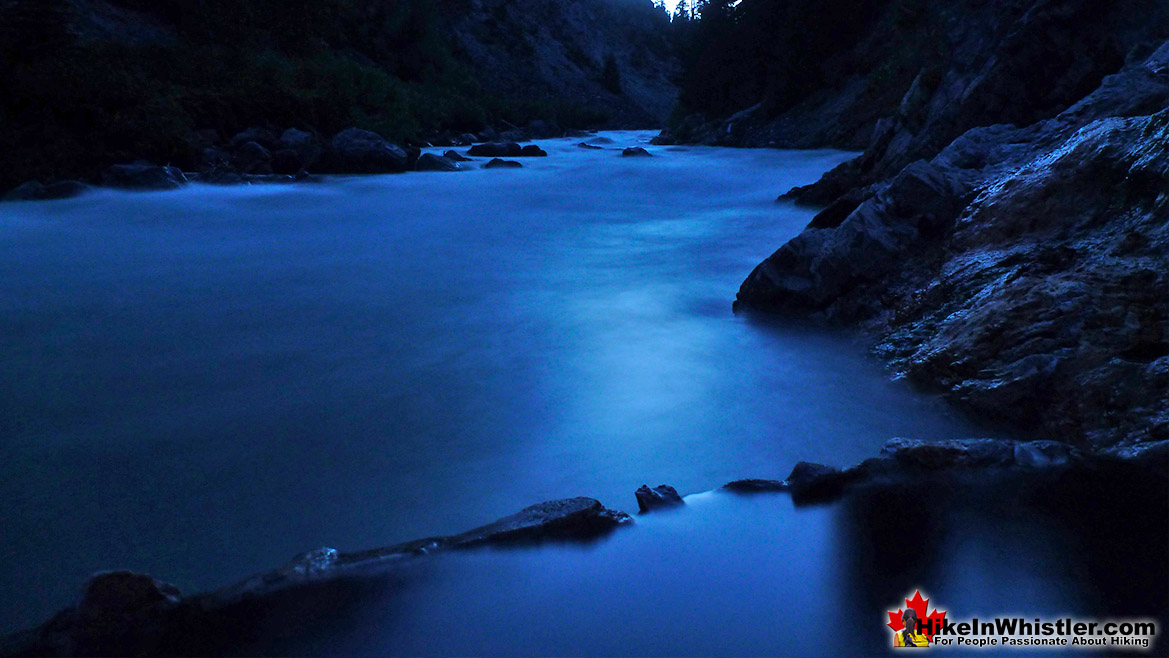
[(497, 163), (658, 497)]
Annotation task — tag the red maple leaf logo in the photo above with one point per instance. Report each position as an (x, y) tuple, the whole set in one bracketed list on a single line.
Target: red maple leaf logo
[(919, 606)]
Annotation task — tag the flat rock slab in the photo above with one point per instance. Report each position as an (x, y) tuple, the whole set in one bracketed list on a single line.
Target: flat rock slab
[(754, 486)]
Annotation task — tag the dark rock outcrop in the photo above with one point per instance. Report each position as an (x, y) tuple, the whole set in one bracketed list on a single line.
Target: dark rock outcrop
[(496, 163), (432, 162), (305, 145), (658, 497), (1021, 271), (909, 461), (635, 152), (141, 176), (455, 156), (356, 151), (533, 151), (129, 614), (252, 158), (753, 486), (286, 162), (496, 150), (35, 191)]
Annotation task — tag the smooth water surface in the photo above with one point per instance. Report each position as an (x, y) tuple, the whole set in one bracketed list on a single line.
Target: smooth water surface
[(731, 575), (201, 384)]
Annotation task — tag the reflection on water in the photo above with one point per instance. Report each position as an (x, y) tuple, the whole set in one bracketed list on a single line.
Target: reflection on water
[(732, 575), (201, 384)]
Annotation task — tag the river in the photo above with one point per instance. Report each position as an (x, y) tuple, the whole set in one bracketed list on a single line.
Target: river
[(200, 384)]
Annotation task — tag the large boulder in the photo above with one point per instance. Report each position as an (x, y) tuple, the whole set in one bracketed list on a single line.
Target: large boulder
[(305, 145), (356, 151), (658, 497), (286, 162), (635, 152), (252, 158), (497, 163), (496, 150), (142, 176), (432, 162), (262, 136), (533, 151)]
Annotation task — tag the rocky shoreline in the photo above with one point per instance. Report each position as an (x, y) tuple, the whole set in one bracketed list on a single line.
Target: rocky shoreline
[(125, 613), (265, 156), (1020, 272)]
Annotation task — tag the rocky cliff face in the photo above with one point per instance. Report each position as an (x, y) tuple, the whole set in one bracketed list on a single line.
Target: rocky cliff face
[(558, 49), (1003, 235), (1021, 270)]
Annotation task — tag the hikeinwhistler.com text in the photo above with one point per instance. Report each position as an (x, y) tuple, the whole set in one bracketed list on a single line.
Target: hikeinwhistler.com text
[(1020, 632)]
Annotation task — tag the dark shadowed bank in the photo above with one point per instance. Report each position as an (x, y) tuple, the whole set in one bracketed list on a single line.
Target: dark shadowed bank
[(92, 83), (1003, 236)]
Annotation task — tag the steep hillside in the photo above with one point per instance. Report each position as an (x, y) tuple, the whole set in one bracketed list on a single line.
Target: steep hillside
[(558, 49), (94, 82)]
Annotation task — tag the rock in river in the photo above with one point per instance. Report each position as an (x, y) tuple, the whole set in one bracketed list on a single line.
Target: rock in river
[(359, 151), (497, 163), (660, 496), (142, 176), (432, 162)]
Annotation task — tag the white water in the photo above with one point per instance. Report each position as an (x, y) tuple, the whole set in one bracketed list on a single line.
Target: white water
[(200, 384)]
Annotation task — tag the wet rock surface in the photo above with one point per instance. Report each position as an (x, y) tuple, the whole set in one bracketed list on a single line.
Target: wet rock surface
[(130, 614), (431, 162), (499, 163), (754, 485), (125, 613), (496, 150), (356, 151), (143, 177), (1021, 272), (658, 497)]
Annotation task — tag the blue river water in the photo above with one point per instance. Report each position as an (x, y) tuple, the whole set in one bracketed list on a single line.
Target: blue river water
[(200, 384)]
